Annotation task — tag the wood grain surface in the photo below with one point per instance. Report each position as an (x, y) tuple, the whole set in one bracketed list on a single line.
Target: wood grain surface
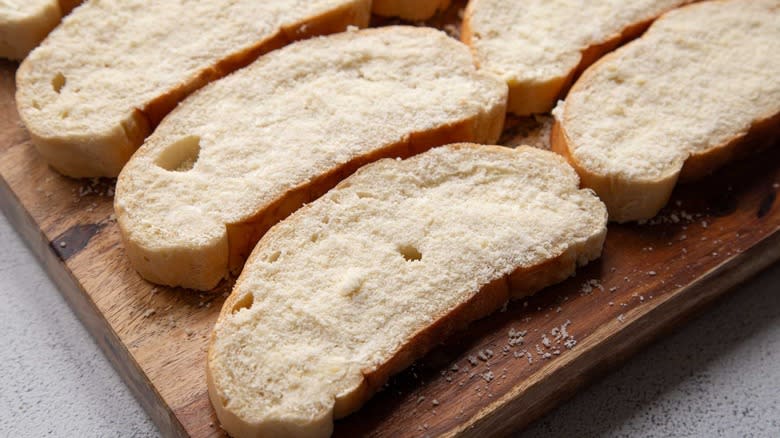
[(493, 378)]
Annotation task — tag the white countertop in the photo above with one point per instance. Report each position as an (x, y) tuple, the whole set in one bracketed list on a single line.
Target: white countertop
[(716, 376)]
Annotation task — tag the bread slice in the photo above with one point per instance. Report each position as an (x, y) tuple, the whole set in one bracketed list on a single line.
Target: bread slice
[(25, 23), (248, 150), (540, 46), (409, 9), (94, 89), (675, 103), (356, 285)]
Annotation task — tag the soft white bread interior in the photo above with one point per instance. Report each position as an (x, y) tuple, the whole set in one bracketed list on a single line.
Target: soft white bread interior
[(94, 89), (248, 150), (356, 285), (540, 46), (675, 103), (409, 9), (24, 24)]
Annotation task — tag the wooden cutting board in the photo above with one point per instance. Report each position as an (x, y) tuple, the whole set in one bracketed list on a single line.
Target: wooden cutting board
[(713, 235)]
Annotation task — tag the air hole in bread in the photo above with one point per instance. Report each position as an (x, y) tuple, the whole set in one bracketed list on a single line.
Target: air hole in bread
[(57, 82), (410, 253), (244, 303), (273, 257), (314, 238), (64, 114), (181, 155)]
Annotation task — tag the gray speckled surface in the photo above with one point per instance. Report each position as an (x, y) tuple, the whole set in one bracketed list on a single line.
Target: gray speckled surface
[(55, 381), (717, 376)]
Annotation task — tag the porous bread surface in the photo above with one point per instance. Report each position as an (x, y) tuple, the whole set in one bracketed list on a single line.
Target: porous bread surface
[(698, 79), (409, 9), (24, 24), (537, 44), (112, 58), (291, 117), (342, 286)]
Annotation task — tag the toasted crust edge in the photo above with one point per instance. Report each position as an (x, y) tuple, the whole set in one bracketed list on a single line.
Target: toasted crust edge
[(82, 156), (637, 200), (630, 200), (520, 283), (535, 97)]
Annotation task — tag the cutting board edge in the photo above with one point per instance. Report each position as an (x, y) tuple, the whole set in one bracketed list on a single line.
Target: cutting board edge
[(495, 418), (654, 322)]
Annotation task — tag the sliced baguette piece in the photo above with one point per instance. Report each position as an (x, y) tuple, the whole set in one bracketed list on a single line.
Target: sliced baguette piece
[(409, 9), (248, 150), (676, 103), (94, 89), (356, 285), (25, 23), (540, 46)]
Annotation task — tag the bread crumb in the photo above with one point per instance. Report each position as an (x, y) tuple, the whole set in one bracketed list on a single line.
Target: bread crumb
[(516, 337), (484, 355), (488, 376), (589, 285), (435, 402), (621, 318)]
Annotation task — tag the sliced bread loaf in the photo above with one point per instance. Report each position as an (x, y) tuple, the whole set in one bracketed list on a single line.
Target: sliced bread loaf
[(409, 9), (674, 103), (540, 46), (248, 150), (356, 285), (94, 89), (25, 23)]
